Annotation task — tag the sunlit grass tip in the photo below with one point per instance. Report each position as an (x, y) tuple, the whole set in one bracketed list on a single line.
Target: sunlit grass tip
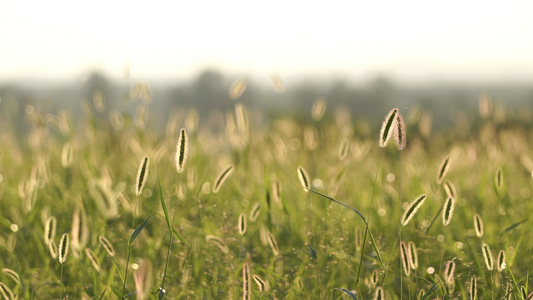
[(478, 225), (221, 178), (443, 169), (304, 179), (487, 255), (399, 132), (182, 150), (412, 209), (447, 211), (387, 127), (142, 175), (63, 248)]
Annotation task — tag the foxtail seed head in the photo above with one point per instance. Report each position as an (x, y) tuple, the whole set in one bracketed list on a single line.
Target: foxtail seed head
[(64, 244), (142, 175), (221, 178), (487, 255), (181, 150), (246, 282), (443, 169), (501, 261), (412, 209), (387, 127), (399, 132), (478, 225), (404, 253), (447, 211), (304, 179)]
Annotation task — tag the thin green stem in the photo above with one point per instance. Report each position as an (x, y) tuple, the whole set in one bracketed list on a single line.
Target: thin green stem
[(126, 272), (61, 290), (168, 257)]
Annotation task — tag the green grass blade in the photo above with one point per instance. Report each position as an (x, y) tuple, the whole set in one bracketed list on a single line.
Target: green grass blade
[(130, 294), (376, 248), (137, 231), (347, 292), (513, 226), (164, 206), (338, 202)]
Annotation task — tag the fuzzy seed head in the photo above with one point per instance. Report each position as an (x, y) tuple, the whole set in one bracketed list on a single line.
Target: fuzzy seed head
[(181, 150), (221, 178), (399, 132), (501, 261), (404, 254), (487, 255), (63, 247), (142, 175), (443, 169), (478, 225), (447, 211), (304, 179), (387, 127), (412, 209)]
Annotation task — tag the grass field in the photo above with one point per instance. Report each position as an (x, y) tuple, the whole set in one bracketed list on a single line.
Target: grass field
[(239, 224)]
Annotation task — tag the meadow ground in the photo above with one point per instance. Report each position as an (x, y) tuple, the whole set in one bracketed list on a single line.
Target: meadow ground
[(290, 210)]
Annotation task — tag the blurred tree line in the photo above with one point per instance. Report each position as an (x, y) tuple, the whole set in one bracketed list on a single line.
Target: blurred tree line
[(209, 93)]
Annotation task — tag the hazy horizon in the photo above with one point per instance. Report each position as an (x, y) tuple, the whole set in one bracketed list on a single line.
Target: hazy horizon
[(409, 42)]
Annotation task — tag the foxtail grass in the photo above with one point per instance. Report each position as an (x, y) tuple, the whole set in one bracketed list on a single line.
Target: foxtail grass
[(221, 178), (387, 127), (246, 282), (181, 151), (414, 206), (447, 211), (478, 225), (443, 169), (63, 248)]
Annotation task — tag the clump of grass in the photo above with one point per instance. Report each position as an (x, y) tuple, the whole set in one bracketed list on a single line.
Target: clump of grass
[(414, 206)]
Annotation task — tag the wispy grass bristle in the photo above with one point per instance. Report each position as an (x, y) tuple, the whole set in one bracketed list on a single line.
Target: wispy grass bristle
[(443, 169), (142, 175), (107, 245), (478, 225), (473, 288), (399, 132), (304, 179), (447, 211), (246, 282), (413, 255), (63, 248), (412, 209), (242, 224), (181, 150), (487, 255), (387, 127), (221, 178), (501, 261), (404, 253)]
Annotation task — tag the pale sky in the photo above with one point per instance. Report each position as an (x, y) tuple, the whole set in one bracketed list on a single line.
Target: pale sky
[(410, 40)]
